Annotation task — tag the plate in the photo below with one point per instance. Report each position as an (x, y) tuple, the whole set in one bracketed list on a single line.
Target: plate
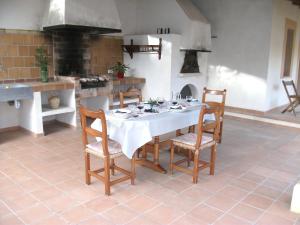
[(178, 108), (122, 113)]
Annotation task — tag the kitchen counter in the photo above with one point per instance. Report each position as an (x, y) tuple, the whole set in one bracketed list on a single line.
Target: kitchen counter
[(50, 86), (128, 81)]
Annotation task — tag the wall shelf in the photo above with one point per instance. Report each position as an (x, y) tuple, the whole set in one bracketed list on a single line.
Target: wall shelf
[(196, 50), (154, 49), (46, 111)]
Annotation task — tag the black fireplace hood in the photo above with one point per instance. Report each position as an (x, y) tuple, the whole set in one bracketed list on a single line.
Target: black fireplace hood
[(194, 50), (80, 28), (90, 16)]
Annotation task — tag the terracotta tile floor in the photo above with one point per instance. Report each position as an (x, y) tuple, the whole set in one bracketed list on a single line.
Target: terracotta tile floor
[(42, 182)]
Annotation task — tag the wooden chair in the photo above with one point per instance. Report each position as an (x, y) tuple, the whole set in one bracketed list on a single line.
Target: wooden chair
[(195, 143), (294, 98), (220, 104), (105, 149), (132, 93)]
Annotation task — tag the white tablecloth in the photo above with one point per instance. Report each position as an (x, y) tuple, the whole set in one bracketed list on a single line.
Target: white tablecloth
[(133, 133)]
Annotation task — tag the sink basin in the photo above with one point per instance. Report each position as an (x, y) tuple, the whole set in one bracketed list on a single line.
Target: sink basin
[(15, 85), (15, 91)]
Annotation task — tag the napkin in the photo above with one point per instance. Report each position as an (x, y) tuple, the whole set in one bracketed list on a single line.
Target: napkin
[(122, 111), (177, 107)]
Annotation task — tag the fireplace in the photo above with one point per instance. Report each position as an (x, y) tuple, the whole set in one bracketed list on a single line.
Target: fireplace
[(71, 53), (190, 63)]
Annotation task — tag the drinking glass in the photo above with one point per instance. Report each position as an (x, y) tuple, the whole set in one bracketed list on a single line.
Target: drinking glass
[(131, 107), (140, 106)]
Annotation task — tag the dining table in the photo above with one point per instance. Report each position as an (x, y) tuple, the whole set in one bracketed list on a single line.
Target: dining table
[(138, 129)]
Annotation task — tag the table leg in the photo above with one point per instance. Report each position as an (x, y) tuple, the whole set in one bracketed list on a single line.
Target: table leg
[(156, 151), (155, 163)]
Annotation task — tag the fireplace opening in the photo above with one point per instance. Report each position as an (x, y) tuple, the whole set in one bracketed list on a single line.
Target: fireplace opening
[(190, 64), (71, 51), (189, 90)]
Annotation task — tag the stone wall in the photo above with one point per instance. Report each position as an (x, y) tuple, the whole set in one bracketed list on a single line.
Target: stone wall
[(17, 54), (105, 52)]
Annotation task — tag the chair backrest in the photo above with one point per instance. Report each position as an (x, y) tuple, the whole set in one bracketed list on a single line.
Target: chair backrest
[(286, 85), (214, 125), (130, 93), (215, 93), (87, 130)]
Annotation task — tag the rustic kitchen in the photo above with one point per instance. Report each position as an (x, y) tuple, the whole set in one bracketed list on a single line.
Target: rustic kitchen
[(149, 112)]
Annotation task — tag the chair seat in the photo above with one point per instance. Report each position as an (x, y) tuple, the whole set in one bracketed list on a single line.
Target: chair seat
[(95, 148), (212, 121), (189, 141)]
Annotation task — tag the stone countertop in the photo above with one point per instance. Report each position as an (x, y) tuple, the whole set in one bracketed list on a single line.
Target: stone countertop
[(50, 86), (129, 80), (61, 84)]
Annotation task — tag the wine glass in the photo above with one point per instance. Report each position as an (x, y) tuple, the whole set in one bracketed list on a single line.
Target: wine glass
[(140, 107), (189, 98), (131, 107), (160, 101)]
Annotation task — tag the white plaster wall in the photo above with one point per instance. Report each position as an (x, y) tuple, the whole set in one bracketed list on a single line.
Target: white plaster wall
[(95, 103), (27, 116), (178, 80), (24, 15), (31, 114), (127, 12), (29, 14), (163, 76), (67, 97), (9, 116), (87, 13), (167, 13), (281, 10), (157, 72), (239, 61)]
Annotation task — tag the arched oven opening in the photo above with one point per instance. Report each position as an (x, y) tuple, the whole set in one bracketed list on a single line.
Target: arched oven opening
[(189, 90)]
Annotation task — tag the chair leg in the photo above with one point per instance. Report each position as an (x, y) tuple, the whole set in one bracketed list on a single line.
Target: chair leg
[(189, 157), (112, 166), (287, 108), (144, 152), (87, 168), (212, 159), (294, 107), (294, 112), (192, 129), (133, 168), (220, 132), (107, 175), (171, 157), (196, 167)]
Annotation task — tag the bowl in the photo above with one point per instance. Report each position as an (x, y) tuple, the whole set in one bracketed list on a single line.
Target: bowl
[(54, 102)]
